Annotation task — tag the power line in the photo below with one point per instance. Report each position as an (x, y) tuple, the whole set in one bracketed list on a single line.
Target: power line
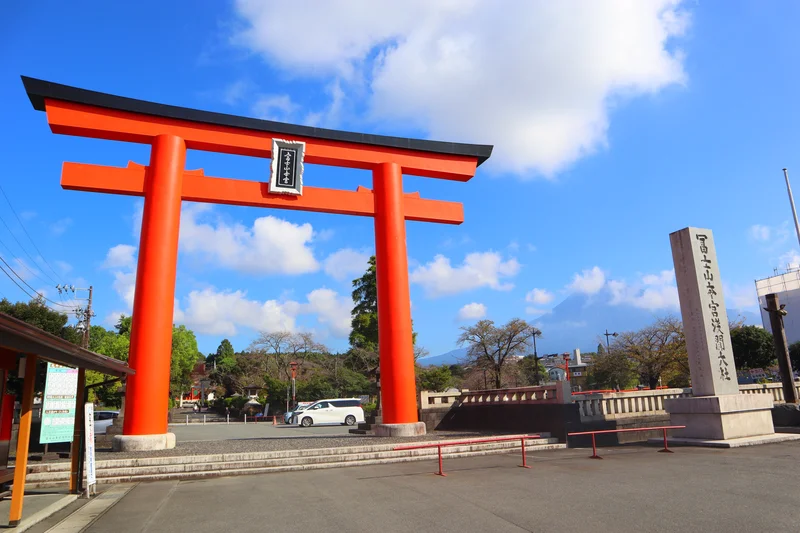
[(38, 297), (29, 286), (23, 248), (28, 234), (23, 264)]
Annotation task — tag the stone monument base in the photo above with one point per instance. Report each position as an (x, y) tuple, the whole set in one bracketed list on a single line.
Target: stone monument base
[(138, 443), (723, 417), (413, 429), (727, 443)]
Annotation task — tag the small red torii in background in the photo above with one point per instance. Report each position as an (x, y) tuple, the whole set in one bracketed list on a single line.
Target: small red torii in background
[(165, 183)]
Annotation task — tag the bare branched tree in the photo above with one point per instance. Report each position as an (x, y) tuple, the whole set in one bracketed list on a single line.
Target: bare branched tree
[(489, 347)]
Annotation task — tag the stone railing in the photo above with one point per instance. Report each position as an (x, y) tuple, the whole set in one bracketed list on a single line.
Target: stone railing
[(437, 400), (553, 393), (614, 405), (776, 389)]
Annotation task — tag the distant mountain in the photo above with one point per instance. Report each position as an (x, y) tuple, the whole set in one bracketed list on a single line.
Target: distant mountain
[(580, 321), (450, 358)]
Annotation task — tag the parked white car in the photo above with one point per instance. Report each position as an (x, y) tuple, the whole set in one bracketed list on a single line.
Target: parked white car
[(103, 419), (301, 406), (345, 411)]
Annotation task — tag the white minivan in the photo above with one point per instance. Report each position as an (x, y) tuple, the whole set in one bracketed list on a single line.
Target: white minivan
[(345, 411)]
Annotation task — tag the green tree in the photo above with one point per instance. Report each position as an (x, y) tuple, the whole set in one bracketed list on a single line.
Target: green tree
[(37, 314), (531, 370), (752, 347), (185, 357), (363, 353), (435, 378), (656, 349), (225, 358), (600, 348), (489, 346), (612, 370), (794, 355)]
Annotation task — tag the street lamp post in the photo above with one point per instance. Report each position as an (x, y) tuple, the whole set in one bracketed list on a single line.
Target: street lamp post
[(294, 376), (607, 334)]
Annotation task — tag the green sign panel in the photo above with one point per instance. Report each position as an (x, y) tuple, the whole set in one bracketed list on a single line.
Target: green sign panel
[(58, 407)]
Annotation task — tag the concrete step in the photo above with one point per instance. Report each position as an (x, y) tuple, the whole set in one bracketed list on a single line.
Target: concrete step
[(285, 461), (245, 456), (308, 463)]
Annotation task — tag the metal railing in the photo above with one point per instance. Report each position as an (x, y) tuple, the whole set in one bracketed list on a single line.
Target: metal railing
[(627, 430), (440, 445)]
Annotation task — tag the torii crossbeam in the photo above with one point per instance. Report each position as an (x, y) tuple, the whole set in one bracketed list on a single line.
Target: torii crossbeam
[(165, 183)]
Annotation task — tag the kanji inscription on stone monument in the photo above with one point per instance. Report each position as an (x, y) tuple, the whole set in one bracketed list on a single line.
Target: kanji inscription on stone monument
[(705, 320)]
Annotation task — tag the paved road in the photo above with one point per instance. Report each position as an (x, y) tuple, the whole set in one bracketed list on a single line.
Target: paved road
[(634, 489), (198, 432)]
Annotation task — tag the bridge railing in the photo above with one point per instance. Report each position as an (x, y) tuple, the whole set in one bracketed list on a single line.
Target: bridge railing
[(776, 389), (614, 405), (557, 392)]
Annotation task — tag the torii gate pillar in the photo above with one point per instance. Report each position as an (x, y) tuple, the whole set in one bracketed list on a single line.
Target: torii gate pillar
[(395, 336)]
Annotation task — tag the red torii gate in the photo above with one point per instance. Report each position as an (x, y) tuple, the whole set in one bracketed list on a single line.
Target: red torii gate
[(165, 183)]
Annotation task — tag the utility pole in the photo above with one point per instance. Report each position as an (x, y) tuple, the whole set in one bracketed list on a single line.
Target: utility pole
[(776, 314), (536, 358), (608, 345), (791, 202), (87, 320)]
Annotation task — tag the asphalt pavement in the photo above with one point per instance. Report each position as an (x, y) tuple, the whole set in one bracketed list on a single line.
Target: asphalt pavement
[(633, 489)]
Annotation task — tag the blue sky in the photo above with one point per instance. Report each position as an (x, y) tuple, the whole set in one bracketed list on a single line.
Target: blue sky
[(614, 124)]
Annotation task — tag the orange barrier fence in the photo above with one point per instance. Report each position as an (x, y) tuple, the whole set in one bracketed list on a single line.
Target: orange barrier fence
[(628, 430), (440, 445)]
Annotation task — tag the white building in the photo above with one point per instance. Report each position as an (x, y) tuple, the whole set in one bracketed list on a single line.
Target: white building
[(787, 287)]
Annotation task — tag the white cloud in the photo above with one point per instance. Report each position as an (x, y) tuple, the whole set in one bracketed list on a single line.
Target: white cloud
[(270, 246), (538, 78), (236, 92), (759, 232), (125, 285), (27, 215), (513, 246), (589, 281), (537, 312), (212, 312), (790, 260), (346, 263), (120, 256), (479, 269), (740, 296), (539, 296), (278, 107), (63, 266), (331, 309), (220, 313), (664, 277), (651, 291), (60, 226), (24, 270), (473, 311)]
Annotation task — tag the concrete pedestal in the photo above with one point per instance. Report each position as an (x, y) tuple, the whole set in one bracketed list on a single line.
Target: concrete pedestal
[(414, 429), (139, 443), (723, 417)]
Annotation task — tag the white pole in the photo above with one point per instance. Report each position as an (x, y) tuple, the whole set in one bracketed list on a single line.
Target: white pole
[(227, 419), (791, 201), (204, 420), (187, 420), (245, 418)]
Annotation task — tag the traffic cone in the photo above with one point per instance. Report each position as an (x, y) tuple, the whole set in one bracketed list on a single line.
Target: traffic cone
[(274, 420)]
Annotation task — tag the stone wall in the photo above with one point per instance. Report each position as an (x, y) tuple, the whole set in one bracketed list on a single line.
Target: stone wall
[(556, 419)]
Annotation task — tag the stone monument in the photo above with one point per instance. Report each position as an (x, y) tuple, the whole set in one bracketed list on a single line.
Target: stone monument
[(716, 414)]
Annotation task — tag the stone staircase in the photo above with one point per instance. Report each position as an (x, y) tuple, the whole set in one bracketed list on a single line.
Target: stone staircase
[(205, 466), (368, 426)]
